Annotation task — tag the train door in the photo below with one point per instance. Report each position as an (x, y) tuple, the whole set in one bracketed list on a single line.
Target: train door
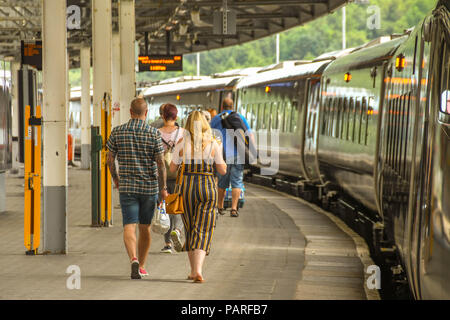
[(311, 132), (430, 236)]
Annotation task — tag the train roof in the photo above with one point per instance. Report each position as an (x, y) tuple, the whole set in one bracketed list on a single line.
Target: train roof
[(290, 70), (191, 86), (370, 54), (236, 72)]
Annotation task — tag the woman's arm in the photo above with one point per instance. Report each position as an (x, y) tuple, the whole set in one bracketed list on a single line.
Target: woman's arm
[(221, 166)]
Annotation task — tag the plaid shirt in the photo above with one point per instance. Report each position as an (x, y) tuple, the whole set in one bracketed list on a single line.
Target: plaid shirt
[(136, 145)]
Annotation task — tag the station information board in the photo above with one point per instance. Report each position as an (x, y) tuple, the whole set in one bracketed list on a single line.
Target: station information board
[(161, 63), (32, 54)]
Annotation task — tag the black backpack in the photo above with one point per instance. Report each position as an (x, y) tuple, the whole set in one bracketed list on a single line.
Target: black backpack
[(234, 121)]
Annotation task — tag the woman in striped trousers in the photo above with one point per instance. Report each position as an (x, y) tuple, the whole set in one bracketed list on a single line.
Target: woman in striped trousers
[(198, 153)]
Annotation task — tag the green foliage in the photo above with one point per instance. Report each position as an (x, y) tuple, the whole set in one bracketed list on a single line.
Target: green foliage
[(305, 42)]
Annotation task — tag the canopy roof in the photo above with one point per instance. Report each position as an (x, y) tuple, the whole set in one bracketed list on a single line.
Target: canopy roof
[(190, 22)]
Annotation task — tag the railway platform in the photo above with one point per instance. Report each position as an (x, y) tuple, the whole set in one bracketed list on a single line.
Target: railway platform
[(279, 248)]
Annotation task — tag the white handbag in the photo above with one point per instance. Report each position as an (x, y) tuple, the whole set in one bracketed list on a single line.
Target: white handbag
[(161, 220)]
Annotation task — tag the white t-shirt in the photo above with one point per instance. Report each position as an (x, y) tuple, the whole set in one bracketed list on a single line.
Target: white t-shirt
[(171, 138), (211, 154)]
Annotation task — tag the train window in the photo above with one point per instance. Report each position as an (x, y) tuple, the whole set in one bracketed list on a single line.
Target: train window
[(274, 122), (357, 121), (344, 121), (287, 117), (294, 116), (330, 117), (266, 116), (324, 115), (253, 115), (396, 132), (364, 122), (281, 116), (348, 117), (407, 110), (445, 81), (258, 115), (336, 115), (351, 120), (341, 117)]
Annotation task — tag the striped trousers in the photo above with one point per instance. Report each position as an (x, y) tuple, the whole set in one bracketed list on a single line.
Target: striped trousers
[(200, 202)]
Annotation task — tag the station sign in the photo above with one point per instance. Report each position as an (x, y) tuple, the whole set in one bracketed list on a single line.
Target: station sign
[(161, 63), (31, 53)]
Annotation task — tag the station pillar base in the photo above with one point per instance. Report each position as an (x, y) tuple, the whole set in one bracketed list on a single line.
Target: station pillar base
[(85, 156)]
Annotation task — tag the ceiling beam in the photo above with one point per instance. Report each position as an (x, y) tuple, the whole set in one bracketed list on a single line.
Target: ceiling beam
[(205, 3)]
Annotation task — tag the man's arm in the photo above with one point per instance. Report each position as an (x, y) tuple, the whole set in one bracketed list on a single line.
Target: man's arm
[(112, 168), (162, 175)]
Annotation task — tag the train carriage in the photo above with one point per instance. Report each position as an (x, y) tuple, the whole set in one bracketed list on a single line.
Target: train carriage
[(193, 93), (273, 100)]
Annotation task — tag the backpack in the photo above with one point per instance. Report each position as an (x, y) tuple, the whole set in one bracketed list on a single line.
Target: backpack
[(234, 121), (168, 156)]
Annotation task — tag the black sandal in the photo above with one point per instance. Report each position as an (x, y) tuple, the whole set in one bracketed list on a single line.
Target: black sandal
[(221, 211), (234, 213)]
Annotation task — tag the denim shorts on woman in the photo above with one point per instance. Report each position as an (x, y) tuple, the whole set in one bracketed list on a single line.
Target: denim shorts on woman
[(234, 176), (137, 208)]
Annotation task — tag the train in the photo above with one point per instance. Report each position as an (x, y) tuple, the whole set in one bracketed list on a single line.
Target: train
[(364, 132)]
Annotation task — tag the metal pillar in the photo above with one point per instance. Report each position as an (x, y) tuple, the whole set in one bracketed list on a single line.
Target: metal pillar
[(127, 31), (55, 129), (115, 79), (102, 62), (101, 43), (85, 61), (15, 66)]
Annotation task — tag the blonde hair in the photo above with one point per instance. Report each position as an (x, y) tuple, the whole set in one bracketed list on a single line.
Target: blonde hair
[(197, 126)]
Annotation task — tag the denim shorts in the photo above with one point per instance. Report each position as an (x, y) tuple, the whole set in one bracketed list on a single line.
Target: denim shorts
[(137, 208), (234, 176)]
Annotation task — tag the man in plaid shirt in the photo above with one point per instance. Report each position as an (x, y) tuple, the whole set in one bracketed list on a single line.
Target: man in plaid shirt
[(139, 151)]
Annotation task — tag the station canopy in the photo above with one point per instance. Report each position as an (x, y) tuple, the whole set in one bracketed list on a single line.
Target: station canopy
[(191, 25)]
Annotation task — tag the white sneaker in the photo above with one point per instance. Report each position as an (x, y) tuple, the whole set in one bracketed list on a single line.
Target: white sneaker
[(175, 236)]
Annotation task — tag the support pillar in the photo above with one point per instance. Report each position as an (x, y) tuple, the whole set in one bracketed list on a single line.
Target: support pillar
[(15, 66), (85, 62), (102, 63), (127, 29), (55, 129), (115, 79), (101, 43)]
